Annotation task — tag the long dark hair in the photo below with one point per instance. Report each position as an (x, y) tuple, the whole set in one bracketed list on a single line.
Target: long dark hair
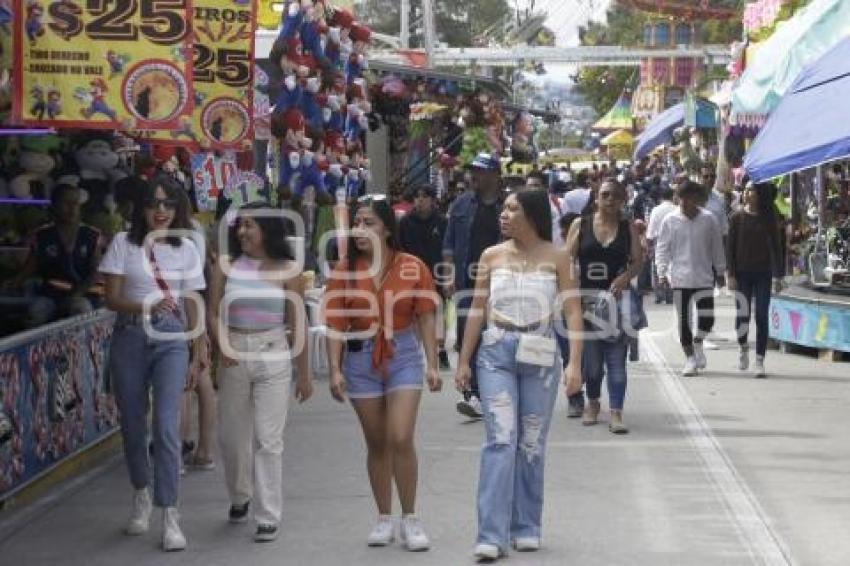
[(138, 225), (274, 228), (382, 209), (536, 208)]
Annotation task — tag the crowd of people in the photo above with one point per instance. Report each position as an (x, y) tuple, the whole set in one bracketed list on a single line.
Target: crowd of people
[(546, 281)]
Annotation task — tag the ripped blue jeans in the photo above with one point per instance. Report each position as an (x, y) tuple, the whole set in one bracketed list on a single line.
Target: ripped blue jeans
[(517, 400)]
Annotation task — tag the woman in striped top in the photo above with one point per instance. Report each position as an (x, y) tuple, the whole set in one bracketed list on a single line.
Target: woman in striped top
[(257, 318)]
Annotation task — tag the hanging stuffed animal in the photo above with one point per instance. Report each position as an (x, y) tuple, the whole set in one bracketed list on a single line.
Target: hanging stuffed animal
[(288, 127)]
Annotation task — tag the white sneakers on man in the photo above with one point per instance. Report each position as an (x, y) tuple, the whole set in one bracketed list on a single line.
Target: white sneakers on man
[(413, 535), (759, 367), (140, 516), (699, 355), (383, 533), (690, 368), (172, 536), (743, 359)]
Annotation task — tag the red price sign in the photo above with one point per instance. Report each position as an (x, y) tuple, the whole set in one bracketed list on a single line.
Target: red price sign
[(211, 174)]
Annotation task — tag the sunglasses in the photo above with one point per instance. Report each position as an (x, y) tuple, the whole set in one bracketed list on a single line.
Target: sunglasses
[(166, 203)]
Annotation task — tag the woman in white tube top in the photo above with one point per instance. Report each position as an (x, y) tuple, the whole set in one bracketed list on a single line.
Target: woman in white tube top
[(257, 319), (518, 287)]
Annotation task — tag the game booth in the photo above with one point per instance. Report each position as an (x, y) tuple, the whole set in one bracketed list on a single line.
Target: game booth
[(806, 141), (176, 91)]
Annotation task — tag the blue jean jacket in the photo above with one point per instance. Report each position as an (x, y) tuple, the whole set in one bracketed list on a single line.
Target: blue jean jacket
[(458, 234)]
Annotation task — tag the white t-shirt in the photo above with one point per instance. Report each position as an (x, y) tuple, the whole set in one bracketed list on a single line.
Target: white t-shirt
[(180, 267), (657, 216)]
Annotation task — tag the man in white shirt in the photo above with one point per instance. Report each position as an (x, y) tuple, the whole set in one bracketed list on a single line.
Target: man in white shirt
[(656, 217), (690, 258)]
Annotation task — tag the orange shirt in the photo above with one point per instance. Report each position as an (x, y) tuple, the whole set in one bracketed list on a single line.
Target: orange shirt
[(353, 304)]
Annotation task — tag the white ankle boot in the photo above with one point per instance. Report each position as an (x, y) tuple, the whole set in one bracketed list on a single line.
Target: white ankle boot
[(141, 514), (172, 536)]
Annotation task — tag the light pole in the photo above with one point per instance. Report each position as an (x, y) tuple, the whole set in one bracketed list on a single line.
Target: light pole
[(405, 24), (430, 32)]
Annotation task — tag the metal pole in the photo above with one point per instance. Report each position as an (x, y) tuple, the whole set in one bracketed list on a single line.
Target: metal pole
[(430, 32), (405, 24)]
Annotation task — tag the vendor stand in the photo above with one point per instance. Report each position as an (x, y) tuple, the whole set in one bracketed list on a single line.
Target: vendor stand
[(807, 135)]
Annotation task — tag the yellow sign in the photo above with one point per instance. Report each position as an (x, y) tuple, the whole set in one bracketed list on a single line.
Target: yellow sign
[(103, 63), (223, 33)]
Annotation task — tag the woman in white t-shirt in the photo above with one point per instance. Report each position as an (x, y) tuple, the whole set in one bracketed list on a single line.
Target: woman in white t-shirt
[(150, 272)]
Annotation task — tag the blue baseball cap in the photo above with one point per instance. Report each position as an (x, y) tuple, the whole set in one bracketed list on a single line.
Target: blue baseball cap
[(487, 161)]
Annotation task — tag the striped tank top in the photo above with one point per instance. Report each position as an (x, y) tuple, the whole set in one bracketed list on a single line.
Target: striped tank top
[(252, 302)]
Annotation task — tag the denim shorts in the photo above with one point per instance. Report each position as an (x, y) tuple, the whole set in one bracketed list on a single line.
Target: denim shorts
[(404, 371)]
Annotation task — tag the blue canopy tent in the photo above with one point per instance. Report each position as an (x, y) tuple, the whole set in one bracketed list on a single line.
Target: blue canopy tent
[(696, 111), (659, 131), (811, 125)]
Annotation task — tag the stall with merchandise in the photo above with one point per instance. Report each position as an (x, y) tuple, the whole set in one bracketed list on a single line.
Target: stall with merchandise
[(807, 136)]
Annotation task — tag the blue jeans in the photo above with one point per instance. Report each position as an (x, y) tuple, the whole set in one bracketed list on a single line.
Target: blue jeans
[(755, 287), (464, 304), (600, 358), (517, 400), (138, 362)]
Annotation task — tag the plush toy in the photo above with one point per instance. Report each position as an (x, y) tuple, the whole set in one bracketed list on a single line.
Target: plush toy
[(292, 19), (311, 30), (288, 127), (311, 175), (355, 123), (98, 171), (34, 181), (310, 106)]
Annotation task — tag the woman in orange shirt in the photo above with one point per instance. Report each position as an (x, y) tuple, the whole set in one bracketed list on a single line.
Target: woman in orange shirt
[(379, 304)]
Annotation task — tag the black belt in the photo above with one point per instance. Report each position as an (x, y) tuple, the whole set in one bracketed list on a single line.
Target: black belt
[(514, 328)]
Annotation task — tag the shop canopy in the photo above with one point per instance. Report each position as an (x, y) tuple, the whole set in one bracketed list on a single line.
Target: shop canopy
[(777, 61), (811, 125), (618, 138), (619, 117), (659, 131)]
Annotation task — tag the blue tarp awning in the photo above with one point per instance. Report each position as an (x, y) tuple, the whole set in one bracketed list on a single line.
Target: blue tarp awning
[(811, 125), (659, 131)]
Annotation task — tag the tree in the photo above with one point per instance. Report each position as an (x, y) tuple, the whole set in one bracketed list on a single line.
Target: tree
[(601, 86)]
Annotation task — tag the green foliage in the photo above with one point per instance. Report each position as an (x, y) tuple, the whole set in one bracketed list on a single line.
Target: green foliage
[(601, 86), (722, 32)]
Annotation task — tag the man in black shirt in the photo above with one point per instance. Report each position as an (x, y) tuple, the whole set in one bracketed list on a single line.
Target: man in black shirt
[(421, 232), (65, 256)]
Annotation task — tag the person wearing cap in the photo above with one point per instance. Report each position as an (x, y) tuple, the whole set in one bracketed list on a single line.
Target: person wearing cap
[(473, 226), (421, 233)]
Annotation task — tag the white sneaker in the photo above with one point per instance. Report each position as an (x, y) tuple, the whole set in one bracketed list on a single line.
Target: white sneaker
[(172, 536), (383, 533), (527, 544), (690, 367), (699, 355), (743, 359), (759, 368), (413, 535), (141, 515), (485, 551), (470, 408)]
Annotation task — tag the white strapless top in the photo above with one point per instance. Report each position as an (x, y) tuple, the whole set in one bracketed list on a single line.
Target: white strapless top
[(522, 298)]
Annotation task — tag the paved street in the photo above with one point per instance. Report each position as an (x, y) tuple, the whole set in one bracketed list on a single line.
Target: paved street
[(720, 469)]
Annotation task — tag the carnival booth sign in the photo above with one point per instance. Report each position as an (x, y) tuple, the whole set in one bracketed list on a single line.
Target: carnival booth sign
[(211, 174), (223, 34), (121, 64), (243, 188)]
